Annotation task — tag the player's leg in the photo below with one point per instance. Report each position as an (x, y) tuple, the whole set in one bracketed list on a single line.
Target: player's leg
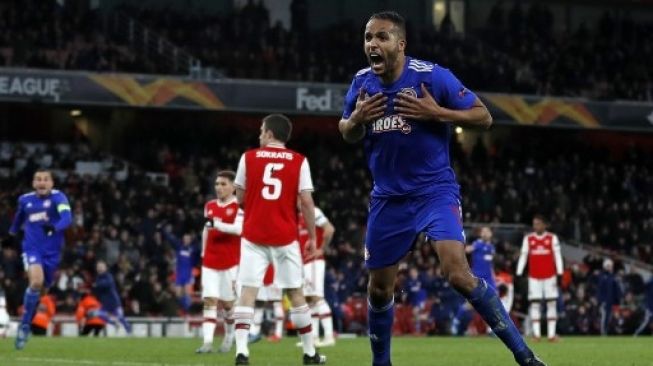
[(551, 294), (483, 298), (289, 276), (646, 321), (257, 318), (536, 316), (120, 314), (210, 284), (323, 309), (279, 318), (258, 258), (36, 277), (535, 296), (209, 322), (227, 298), (606, 315), (391, 232)]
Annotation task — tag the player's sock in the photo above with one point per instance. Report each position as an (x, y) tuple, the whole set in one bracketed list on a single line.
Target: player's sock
[(278, 318), (315, 321), (551, 317), (487, 304), (326, 319), (208, 325), (380, 330), (301, 318), (229, 324), (535, 319), (242, 322), (30, 302), (256, 322)]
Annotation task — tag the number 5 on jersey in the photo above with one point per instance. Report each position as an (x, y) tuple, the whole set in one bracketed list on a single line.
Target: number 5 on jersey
[(272, 189)]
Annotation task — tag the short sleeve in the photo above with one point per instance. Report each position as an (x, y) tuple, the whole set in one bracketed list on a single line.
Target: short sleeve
[(449, 91), (240, 173), (305, 180), (320, 218), (350, 98)]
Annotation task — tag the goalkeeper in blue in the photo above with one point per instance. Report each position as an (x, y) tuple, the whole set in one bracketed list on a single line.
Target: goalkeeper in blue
[(403, 109), (43, 215)]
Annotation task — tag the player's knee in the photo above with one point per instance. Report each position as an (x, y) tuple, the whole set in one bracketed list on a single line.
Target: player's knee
[(210, 302), (36, 284), (380, 295), (462, 281)]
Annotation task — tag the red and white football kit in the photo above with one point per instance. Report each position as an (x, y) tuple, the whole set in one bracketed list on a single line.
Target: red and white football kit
[(272, 177), (221, 249), (314, 267)]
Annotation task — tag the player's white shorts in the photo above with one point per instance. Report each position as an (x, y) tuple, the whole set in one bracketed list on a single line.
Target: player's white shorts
[(269, 293), (254, 259), (220, 284), (539, 289), (314, 278)]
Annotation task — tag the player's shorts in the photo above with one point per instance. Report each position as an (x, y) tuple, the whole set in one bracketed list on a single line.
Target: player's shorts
[(49, 263), (394, 223), (183, 279), (314, 278), (287, 261), (220, 284), (539, 289), (269, 293)]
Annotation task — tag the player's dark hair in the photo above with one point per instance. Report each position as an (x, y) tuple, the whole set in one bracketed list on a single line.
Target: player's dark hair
[(44, 170), (539, 217), (280, 126), (229, 174), (393, 17)]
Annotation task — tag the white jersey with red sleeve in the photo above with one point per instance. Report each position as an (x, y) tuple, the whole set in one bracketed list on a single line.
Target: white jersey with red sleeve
[(320, 222), (543, 253), (221, 249), (272, 177)]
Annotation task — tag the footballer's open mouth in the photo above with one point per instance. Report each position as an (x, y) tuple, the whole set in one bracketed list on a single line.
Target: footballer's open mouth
[(376, 61)]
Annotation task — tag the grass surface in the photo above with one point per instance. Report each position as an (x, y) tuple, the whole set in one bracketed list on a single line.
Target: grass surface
[(407, 351)]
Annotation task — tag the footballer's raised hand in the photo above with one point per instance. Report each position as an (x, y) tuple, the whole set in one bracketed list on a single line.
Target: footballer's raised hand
[(368, 108)]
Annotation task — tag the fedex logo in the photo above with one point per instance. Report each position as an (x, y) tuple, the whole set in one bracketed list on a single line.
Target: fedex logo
[(391, 123), (38, 216)]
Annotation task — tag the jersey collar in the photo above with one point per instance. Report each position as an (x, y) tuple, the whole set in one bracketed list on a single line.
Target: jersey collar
[(226, 203)]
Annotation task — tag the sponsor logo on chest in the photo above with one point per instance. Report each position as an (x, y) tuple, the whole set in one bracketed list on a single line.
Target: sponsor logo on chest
[(38, 216), (391, 123)]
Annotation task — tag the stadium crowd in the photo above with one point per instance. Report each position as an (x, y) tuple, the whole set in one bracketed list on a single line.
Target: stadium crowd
[(516, 51), (118, 213)]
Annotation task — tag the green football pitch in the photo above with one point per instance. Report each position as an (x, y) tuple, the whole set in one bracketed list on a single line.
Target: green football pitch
[(407, 351)]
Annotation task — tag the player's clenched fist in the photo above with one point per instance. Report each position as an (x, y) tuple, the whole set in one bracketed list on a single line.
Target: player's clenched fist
[(368, 108)]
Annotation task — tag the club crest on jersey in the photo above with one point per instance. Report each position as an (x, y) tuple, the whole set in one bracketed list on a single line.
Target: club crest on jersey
[(46, 203), (408, 91), (230, 211), (391, 123)]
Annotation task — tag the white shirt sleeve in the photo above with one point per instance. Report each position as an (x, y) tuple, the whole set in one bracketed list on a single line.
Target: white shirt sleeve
[(557, 254), (305, 180), (320, 219), (521, 264), (240, 173), (234, 229)]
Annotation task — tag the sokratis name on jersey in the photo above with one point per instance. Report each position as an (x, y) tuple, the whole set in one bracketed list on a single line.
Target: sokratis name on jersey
[(274, 155), (391, 123)]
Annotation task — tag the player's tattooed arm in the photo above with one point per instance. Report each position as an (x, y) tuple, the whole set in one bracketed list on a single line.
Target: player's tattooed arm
[(428, 109), (367, 109)]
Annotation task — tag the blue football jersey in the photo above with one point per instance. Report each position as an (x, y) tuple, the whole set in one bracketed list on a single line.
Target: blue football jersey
[(408, 157), (33, 212), (482, 256)]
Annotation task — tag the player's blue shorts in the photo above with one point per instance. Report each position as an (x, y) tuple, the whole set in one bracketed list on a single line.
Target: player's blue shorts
[(183, 279), (394, 223), (49, 263)]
